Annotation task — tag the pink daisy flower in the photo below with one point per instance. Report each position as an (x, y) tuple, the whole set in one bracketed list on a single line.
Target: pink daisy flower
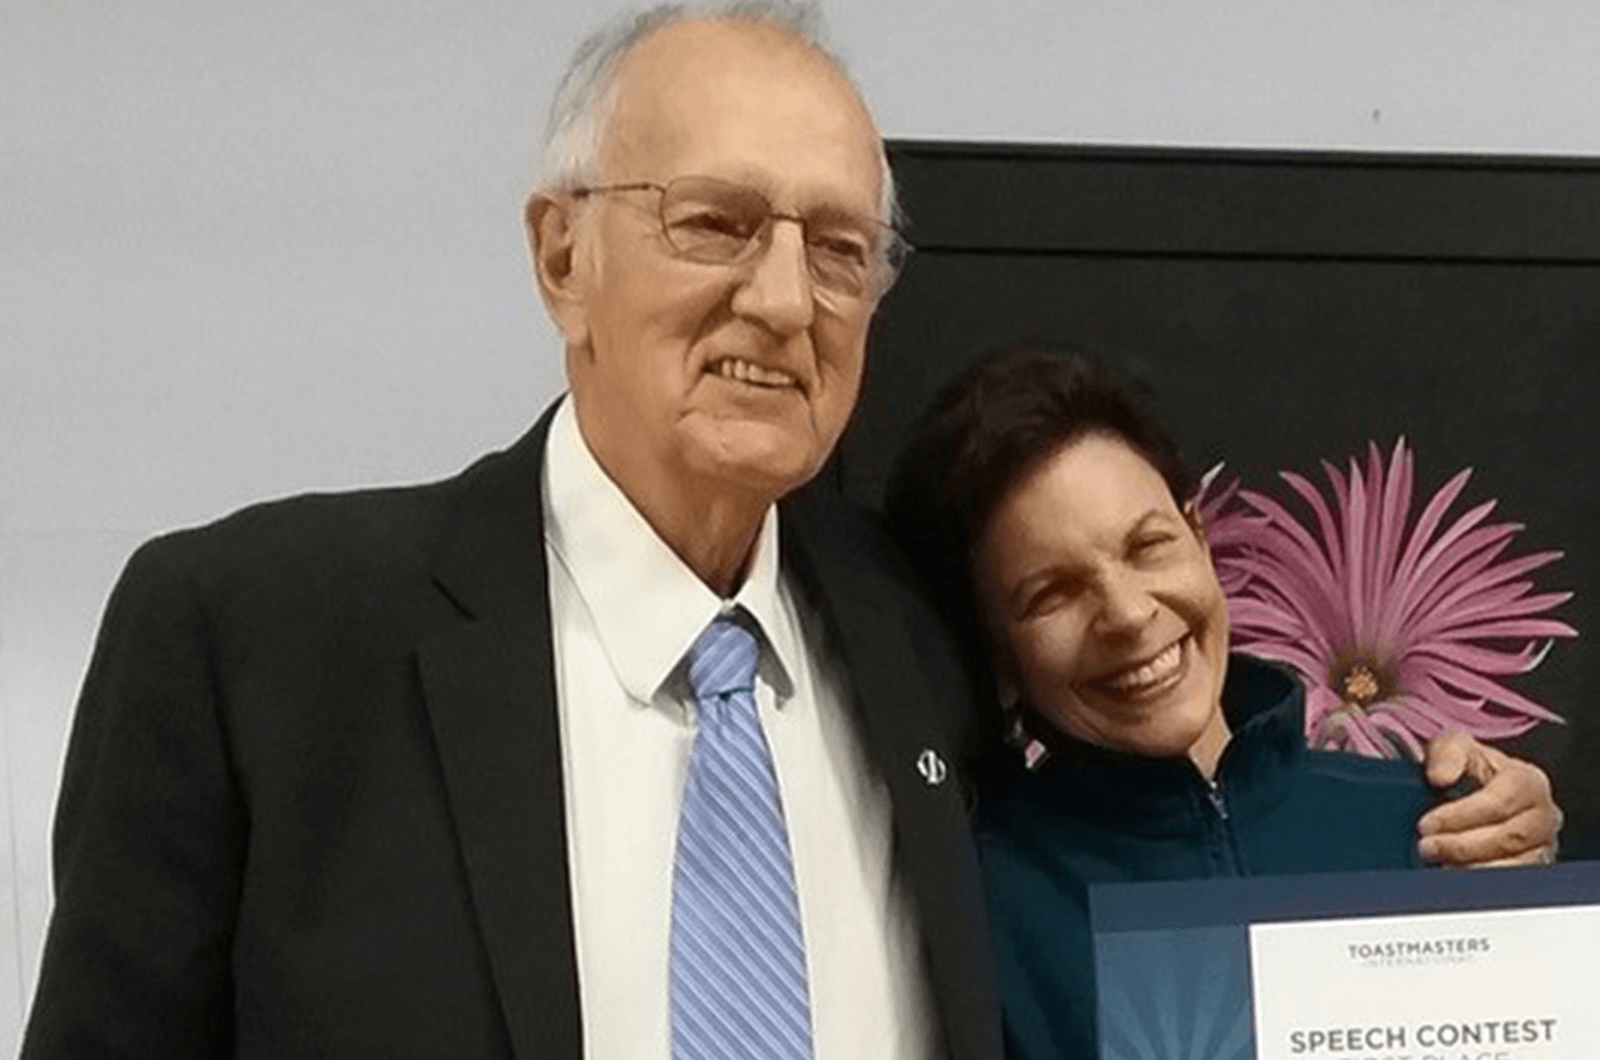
[(1399, 628)]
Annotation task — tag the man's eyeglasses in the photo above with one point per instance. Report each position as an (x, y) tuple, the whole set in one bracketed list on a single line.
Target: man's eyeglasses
[(719, 223)]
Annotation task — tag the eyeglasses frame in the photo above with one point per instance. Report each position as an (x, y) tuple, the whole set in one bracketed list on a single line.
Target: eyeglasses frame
[(896, 249)]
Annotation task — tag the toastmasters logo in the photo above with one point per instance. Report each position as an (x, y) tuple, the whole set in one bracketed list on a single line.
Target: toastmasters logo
[(1386, 953)]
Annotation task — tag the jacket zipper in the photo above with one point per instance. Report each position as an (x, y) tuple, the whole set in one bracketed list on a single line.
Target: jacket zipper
[(1227, 841), (1218, 803)]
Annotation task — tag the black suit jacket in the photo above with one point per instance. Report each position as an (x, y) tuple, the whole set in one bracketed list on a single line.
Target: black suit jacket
[(312, 804)]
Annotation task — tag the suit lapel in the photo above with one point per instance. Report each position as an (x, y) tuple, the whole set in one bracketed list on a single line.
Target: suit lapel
[(919, 761), (490, 688)]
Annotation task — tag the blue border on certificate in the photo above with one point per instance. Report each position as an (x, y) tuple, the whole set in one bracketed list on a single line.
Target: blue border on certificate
[(1172, 957)]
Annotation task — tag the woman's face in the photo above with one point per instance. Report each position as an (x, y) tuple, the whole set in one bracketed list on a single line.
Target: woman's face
[(1105, 610)]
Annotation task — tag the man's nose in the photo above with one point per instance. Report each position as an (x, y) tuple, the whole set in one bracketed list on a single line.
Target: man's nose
[(777, 286)]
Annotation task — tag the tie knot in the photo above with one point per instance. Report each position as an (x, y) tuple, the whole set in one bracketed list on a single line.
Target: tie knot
[(722, 659)]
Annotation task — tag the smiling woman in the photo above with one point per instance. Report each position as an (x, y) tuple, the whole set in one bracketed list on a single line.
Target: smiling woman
[(1103, 604), (1049, 510)]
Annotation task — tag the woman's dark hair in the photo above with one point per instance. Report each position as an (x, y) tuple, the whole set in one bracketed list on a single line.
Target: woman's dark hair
[(987, 430)]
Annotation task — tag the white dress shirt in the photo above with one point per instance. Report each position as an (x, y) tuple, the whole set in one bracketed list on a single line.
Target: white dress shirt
[(624, 611)]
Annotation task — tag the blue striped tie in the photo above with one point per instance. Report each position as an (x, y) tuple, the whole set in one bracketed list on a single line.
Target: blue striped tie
[(738, 960)]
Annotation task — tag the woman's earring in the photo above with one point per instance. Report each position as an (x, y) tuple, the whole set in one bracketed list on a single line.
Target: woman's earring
[(1034, 753)]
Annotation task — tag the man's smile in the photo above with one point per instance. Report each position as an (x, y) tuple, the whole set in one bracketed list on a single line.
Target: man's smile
[(748, 372)]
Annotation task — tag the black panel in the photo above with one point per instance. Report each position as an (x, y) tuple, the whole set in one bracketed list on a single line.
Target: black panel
[(1246, 203), (1290, 307)]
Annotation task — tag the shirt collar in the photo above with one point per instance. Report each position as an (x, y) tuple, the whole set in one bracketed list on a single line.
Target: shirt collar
[(647, 605)]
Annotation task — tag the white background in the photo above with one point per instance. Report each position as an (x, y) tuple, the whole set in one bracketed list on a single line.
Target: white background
[(250, 249)]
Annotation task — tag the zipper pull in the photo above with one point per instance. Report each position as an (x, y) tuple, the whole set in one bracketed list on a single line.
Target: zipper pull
[(1218, 803)]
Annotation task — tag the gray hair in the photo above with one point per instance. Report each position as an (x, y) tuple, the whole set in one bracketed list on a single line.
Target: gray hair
[(586, 95)]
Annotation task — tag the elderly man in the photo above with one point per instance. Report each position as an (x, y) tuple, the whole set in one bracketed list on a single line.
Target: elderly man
[(613, 745)]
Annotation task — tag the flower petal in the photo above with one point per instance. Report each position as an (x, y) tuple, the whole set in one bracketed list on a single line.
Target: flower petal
[(1465, 712), (1452, 547), (1519, 627), (1484, 660), (1391, 725), (1427, 523), (1506, 602), (1450, 674)]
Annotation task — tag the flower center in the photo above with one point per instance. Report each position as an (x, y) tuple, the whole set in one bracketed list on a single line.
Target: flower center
[(1360, 686)]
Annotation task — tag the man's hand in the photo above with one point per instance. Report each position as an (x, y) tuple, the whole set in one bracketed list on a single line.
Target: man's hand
[(1511, 819)]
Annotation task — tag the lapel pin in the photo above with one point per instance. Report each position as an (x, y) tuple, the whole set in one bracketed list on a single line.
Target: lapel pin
[(931, 766)]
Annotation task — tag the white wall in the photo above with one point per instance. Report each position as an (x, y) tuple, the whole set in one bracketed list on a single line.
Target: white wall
[(248, 249)]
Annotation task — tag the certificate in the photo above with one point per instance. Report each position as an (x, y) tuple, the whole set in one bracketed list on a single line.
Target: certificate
[(1427, 965)]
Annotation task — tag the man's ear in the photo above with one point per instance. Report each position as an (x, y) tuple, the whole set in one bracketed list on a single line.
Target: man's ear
[(551, 223)]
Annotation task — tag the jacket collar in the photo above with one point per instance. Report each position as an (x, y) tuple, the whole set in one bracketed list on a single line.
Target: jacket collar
[(1265, 708), (489, 686)]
